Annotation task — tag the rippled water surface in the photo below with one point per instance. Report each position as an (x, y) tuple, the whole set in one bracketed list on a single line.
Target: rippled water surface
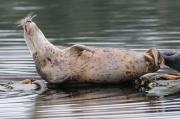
[(138, 25)]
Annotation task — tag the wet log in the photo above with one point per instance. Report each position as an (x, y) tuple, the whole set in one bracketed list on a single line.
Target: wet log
[(159, 84), (27, 85)]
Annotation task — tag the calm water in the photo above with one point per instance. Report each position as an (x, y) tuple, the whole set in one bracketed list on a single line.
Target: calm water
[(138, 25)]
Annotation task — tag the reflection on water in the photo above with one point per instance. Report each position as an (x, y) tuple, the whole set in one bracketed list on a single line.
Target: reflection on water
[(104, 103), (138, 25), (111, 102)]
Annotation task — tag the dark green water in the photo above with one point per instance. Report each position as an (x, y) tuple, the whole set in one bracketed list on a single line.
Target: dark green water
[(138, 25)]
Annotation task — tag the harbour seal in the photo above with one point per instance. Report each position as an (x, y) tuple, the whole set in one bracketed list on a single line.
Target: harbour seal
[(82, 64)]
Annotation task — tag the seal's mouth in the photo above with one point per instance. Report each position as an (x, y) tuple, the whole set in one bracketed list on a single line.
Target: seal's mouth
[(27, 25)]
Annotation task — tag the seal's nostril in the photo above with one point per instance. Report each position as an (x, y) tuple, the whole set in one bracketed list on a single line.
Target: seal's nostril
[(28, 21)]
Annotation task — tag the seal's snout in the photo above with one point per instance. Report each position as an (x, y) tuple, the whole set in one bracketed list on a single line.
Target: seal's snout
[(27, 25), (29, 20)]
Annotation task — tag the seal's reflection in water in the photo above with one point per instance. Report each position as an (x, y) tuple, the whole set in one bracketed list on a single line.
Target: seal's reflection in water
[(102, 102), (95, 102)]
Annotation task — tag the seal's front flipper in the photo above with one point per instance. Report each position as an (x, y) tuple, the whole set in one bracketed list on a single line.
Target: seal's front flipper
[(79, 48)]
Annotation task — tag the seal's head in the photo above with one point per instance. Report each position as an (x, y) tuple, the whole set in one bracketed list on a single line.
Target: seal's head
[(33, 36), (30, 28)]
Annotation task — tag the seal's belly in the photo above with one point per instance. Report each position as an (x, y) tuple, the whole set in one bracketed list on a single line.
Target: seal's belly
[(110, 65)]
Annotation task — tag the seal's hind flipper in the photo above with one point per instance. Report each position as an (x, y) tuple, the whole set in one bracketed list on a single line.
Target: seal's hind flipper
[(154, 56)]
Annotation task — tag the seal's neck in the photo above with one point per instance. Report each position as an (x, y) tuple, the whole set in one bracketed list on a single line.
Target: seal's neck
[(37, 42)]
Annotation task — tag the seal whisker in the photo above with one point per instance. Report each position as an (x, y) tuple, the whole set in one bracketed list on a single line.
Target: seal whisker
[(20, 22), (30, 16)]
